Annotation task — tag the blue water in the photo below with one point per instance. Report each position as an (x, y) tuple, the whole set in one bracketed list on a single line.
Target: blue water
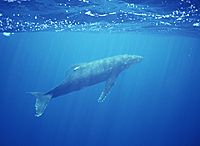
[(153, 103)]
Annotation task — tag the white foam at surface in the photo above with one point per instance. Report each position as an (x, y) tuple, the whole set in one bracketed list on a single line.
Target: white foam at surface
[(89, 13), (6, 34), (196, 24)]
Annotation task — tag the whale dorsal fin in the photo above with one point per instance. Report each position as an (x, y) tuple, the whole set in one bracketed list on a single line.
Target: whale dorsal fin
[(109, 83), (76, 67), (73, 68)]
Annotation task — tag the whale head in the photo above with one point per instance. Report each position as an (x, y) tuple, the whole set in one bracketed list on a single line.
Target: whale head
[(129, 60), (132, 59), (136, 58)]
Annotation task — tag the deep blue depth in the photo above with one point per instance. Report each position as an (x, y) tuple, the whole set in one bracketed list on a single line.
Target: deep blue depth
[(154, 103)]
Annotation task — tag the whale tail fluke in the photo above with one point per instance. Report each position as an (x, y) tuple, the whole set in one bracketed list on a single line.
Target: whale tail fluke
[(41, 102)]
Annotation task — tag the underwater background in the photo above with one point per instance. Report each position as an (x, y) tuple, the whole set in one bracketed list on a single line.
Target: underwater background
[(153, 103)]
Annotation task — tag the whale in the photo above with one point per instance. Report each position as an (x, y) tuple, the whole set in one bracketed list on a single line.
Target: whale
[(87, 74)]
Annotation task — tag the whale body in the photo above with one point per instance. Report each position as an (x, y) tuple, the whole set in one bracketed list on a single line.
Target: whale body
[(87, 74)]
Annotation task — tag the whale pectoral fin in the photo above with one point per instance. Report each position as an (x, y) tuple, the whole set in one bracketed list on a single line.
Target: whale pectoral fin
[(109, 83)]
